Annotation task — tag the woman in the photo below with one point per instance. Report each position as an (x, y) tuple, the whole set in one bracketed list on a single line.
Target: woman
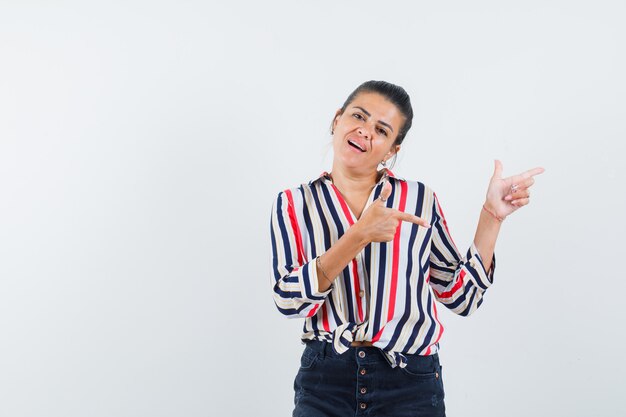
[(362, 255)]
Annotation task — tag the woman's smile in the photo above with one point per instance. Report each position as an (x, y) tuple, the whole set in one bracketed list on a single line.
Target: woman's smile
[(359, 146)]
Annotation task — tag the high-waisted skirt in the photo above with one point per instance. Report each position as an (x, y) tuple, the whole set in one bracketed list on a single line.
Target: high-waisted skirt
[(361, 382)]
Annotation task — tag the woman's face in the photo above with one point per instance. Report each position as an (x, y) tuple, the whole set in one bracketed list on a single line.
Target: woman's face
[(364, 134)]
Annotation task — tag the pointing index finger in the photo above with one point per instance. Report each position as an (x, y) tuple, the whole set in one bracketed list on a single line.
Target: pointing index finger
[(524, 176), (532, 172), (407, 217)]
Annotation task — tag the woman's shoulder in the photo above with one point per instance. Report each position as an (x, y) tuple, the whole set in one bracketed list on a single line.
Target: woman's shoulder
[(303, 187), (295, 194), (417, 185)]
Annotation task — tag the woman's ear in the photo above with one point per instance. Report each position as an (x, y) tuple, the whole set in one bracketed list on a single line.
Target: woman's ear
[(334, 123), (394, 150)]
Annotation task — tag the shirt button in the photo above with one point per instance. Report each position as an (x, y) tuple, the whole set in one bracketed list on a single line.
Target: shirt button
[(361, 293), (363, 390), (361, 354), (363, 406), (362, 371)]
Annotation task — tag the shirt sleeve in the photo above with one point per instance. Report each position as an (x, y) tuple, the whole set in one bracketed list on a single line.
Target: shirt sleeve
[(458, 282), (295, 282)]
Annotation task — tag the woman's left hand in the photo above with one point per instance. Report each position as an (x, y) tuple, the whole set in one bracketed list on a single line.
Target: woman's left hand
[(505, 195)]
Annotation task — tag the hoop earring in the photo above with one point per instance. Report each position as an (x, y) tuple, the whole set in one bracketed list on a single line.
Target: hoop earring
[(384, 163)]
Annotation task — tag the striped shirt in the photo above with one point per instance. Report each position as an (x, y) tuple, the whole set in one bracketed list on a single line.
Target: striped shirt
[(386, 294)]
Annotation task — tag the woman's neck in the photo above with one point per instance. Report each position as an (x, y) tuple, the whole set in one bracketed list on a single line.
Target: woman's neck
[(353, 183)]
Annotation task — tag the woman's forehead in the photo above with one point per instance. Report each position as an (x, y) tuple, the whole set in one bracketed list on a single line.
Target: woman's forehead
[(379, 107)]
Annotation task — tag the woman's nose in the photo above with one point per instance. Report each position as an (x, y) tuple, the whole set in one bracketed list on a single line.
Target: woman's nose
[(364, 132)]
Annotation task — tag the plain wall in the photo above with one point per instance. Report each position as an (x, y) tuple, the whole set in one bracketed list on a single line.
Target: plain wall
[(142, 144)]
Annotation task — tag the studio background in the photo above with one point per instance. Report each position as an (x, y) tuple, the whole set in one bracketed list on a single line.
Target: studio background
[(142, 145)]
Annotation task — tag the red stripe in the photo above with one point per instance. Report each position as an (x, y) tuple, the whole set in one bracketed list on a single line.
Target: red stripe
[(445, 224), (357, 290), (313, 310), (457, 286), (396, 255), (325, 318), (344, 206), (357, 285), (295, 227), (375, 338)]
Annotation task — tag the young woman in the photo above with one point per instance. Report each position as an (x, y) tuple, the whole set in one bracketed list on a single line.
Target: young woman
[(362, 256)]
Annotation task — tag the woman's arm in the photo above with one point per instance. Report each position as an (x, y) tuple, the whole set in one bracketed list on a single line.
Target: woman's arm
[(504, 196), (294, 277), (486, 236), (460, 282)]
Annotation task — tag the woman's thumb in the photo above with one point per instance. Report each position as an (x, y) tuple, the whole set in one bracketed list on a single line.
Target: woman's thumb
[(385, 192), (497, 169)]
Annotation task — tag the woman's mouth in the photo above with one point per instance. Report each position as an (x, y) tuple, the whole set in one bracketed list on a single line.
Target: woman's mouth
[(355, 145)]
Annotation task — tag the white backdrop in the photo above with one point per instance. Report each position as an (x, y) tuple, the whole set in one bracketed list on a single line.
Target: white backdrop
[(142, 144)]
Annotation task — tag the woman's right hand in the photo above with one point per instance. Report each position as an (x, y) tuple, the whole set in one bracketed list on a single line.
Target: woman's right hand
[(379, 223)]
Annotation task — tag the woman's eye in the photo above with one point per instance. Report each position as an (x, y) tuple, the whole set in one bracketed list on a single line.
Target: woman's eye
[(357, 116), (382, 131)]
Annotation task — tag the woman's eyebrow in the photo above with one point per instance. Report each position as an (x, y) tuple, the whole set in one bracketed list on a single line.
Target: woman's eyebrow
[(368, 115), (363, 110)]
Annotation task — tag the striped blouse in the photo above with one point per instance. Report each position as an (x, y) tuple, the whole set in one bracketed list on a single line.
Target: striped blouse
[(386, 294)]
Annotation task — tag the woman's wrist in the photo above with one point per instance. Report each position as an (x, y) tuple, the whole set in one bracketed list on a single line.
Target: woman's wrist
[(320, 268), (357, 234), (492, 212)]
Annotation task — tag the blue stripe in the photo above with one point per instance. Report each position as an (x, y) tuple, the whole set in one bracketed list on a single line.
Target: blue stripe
[(443, 234), (292, 279), (450, 269), (323, 220), (306, 279), (439, 282), (316, 328), (467, 309), (333, 212), (292, 311), (333, 310), (286, 294), (381, 287), (440, 256), (283, 230), (428, 340), (474, 272)]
